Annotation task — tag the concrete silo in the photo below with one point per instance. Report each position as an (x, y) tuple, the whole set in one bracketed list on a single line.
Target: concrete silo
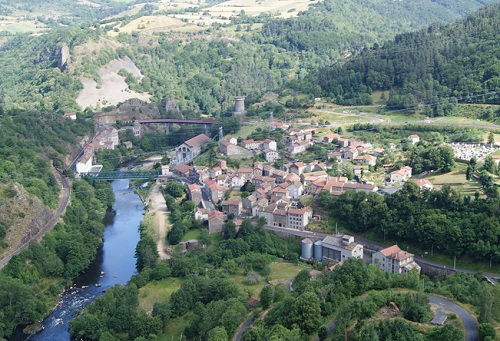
[(307, 248), (318, 250)]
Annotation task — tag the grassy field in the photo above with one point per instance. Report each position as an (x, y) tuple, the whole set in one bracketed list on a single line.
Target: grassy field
[(158, 291), (247, 129), (456, 179), (279, 272), (191, 234)]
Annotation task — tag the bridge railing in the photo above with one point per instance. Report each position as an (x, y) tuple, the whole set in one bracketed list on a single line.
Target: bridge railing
[(130, 174)]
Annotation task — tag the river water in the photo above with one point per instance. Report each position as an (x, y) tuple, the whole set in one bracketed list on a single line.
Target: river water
[(114, 264)]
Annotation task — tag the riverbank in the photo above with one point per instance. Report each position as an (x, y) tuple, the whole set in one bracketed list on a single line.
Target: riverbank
[(157, 214), (114, 264)]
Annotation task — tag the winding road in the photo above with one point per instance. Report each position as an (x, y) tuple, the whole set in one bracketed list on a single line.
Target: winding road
[(468, 321), (63, 203)]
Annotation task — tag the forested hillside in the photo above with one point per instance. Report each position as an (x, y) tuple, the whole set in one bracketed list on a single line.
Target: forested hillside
[(29, 145), (31, 79), (333, 27), (459, 60), (203, 71)]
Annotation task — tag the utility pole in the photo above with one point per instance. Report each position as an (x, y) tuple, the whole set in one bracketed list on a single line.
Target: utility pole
[(221, 134), (454, 263), (271, 121)]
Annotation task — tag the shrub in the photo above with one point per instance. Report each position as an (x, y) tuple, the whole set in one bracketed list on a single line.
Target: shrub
[(252, 278)]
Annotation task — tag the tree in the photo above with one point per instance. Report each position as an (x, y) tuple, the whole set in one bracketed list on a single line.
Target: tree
[(266, 296), (322, 332), (174, 188), (491, 138), (473, 163), (446, 333), (485, 305), (229, 231), (485, 331), (489, 164), (218, 334), (468, 173), (305, 311)]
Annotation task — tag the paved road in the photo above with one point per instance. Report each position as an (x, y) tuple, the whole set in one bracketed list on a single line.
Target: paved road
[(469, 322), (373, 246), (243, 326), (63, 203)]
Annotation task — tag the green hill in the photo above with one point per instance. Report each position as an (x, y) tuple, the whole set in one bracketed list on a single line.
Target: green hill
[(459, 60)]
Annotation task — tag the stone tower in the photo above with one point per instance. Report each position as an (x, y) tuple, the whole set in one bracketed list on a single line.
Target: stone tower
[(239, 106)]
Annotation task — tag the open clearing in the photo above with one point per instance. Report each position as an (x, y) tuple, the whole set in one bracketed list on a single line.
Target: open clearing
[(456, 179), (113, 88), (159, 291)]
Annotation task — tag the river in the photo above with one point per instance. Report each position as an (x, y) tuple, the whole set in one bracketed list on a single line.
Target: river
[(114, 264)]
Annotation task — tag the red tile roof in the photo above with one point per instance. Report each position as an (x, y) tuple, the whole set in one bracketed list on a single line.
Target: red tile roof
[(198, 140)]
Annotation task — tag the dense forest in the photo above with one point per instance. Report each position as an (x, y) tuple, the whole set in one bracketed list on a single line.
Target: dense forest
[(439, 65), (334, 27), (441, 220)]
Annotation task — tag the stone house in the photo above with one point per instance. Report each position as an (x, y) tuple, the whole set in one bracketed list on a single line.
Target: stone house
[(195, 194), (298, 218), (215, 222), (232, 206)]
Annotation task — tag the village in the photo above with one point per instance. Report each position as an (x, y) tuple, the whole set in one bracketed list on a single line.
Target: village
[(262, 190), (271, 182)]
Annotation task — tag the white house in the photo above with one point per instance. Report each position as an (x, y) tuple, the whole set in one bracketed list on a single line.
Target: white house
[(84, 164), (395, 260), (271, 155), (414, 139), (401, 175), (269, 144)]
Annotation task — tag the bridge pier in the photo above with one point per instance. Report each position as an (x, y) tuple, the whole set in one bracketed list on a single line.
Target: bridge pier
[(207, 129), (167, 128)]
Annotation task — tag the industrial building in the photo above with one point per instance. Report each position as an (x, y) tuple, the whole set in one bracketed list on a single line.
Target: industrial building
[(334, 248)]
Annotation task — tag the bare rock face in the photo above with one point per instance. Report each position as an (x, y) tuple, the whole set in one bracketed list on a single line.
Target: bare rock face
[(25, 214), (64, 56), (171, 105), (127, 111)]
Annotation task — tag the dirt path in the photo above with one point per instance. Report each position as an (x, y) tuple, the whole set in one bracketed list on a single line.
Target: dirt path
[(157, 205)]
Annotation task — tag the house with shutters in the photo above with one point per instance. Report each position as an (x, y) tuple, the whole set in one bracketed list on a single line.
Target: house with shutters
[(395, 260)]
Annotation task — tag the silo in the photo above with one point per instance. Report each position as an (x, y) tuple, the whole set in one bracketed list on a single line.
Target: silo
[(307, 248), (318, 250)]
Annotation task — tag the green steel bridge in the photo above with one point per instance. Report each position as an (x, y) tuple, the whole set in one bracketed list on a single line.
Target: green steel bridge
[(129, 174)]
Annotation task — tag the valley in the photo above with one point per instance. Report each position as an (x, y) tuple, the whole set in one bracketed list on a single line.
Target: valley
[(324, 169)]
